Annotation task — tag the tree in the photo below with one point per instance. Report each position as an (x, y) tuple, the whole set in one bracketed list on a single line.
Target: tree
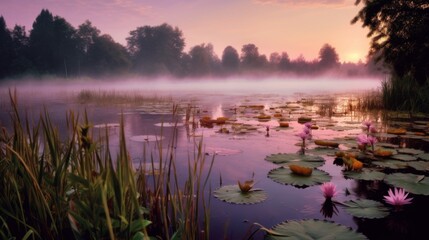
[(284, 63), (203, 60), (42, 42), (5, 49), (230, 59), (20, 62), (87, 35), (250, 57), (53, 45), (105, 56), (399, 32), (156, 49), (328, 57)]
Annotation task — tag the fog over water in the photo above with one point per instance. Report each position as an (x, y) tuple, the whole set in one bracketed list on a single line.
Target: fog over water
[(239, 85)]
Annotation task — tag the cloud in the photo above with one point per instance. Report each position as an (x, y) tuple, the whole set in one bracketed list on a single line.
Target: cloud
[(307, 3)]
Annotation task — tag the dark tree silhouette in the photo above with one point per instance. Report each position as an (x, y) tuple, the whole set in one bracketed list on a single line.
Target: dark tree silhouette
[(284, 63), (156, 49), (203, 60), (5, 49), (87, 35), (399, 32), (230, 59), (250, 58), (105, 56), (20, 62), (328, 57)]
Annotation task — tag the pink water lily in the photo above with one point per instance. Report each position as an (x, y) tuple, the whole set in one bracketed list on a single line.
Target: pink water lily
[(398, 197), (362, 139), (328, 189)]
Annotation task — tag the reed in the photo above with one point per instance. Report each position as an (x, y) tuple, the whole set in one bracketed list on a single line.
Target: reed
[(104, 97), (405, 94), (56, 187)]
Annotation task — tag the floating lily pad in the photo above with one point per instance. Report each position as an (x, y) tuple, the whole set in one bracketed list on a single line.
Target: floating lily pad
[(424, 156), (365, 174), (108, 125), (233, 194), (419, 165), (312, 229), (169, 124), (286, 176), (392, 164), (146, 138), (404, 157), (385, 135), (322, 151), (365, 208), (386, 145), (292, 157), (340, 128), (417, 184), (304, 164), (221, 151), (411, 151)]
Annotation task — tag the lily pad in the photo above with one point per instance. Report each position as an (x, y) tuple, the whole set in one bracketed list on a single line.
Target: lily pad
[(221, 151), (424, 156), (410, 151), (404, 157), (233, 194), (419, 165), (385, 135), (322, 151), (146, 138), (392, 164), (286, 176), (169, 124), (312, 229), (365, 208), (293, 157), (365, 174), (304, 164), (417, 184)]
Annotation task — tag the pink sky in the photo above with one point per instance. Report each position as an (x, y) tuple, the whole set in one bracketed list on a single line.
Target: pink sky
[(294, 26)]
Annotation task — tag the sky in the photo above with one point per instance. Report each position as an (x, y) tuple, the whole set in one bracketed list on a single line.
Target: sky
[(298, 27)]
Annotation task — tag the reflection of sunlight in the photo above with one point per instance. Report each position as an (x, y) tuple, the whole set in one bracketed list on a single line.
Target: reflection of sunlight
[(217, 112)]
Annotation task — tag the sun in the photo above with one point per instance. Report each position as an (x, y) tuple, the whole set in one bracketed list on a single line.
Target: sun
[(354, 57)]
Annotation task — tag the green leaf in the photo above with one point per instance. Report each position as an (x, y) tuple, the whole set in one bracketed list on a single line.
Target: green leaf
[(293, 157), (138, 236), (393, 164), (312, 229), (423, 156), (419, 165), (365, 208), (417, 184), (286, 176), (365, 174), (233, 194), (411, 151), (404, 157)]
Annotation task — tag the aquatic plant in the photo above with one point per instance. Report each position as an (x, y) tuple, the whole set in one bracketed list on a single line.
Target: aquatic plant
[(398, 197), (328, 189)]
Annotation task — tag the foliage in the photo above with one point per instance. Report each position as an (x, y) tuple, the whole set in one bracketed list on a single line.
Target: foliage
[(156, 49), (230, 59), (70, 187), (365, 208), (233, 194), (398, 29), (311, 229)]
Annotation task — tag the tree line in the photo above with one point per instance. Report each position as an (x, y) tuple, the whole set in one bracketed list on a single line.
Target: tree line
[(54, 47)]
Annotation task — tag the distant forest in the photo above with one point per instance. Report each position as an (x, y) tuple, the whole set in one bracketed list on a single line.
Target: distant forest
[(53, 47)]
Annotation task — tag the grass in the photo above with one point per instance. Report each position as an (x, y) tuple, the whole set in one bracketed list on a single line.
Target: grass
[(104, 97), (56, 187)]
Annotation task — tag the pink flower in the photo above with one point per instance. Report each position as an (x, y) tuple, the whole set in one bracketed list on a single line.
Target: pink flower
[(397, 198), (304, 135), (362, 139), (371, 140), (328, 189), (308, 125)]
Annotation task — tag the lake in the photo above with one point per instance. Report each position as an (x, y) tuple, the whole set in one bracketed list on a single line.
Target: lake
[(241, 147)]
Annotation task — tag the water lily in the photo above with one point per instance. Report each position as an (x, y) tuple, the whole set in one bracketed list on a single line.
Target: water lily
[(304, 135), (362, 139), (397, 198), (328, 189), (367, 124), (372, 141)]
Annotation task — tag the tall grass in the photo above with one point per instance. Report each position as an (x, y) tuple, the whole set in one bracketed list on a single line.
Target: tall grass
[(104, 97), (75, 189), (405, 94)]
